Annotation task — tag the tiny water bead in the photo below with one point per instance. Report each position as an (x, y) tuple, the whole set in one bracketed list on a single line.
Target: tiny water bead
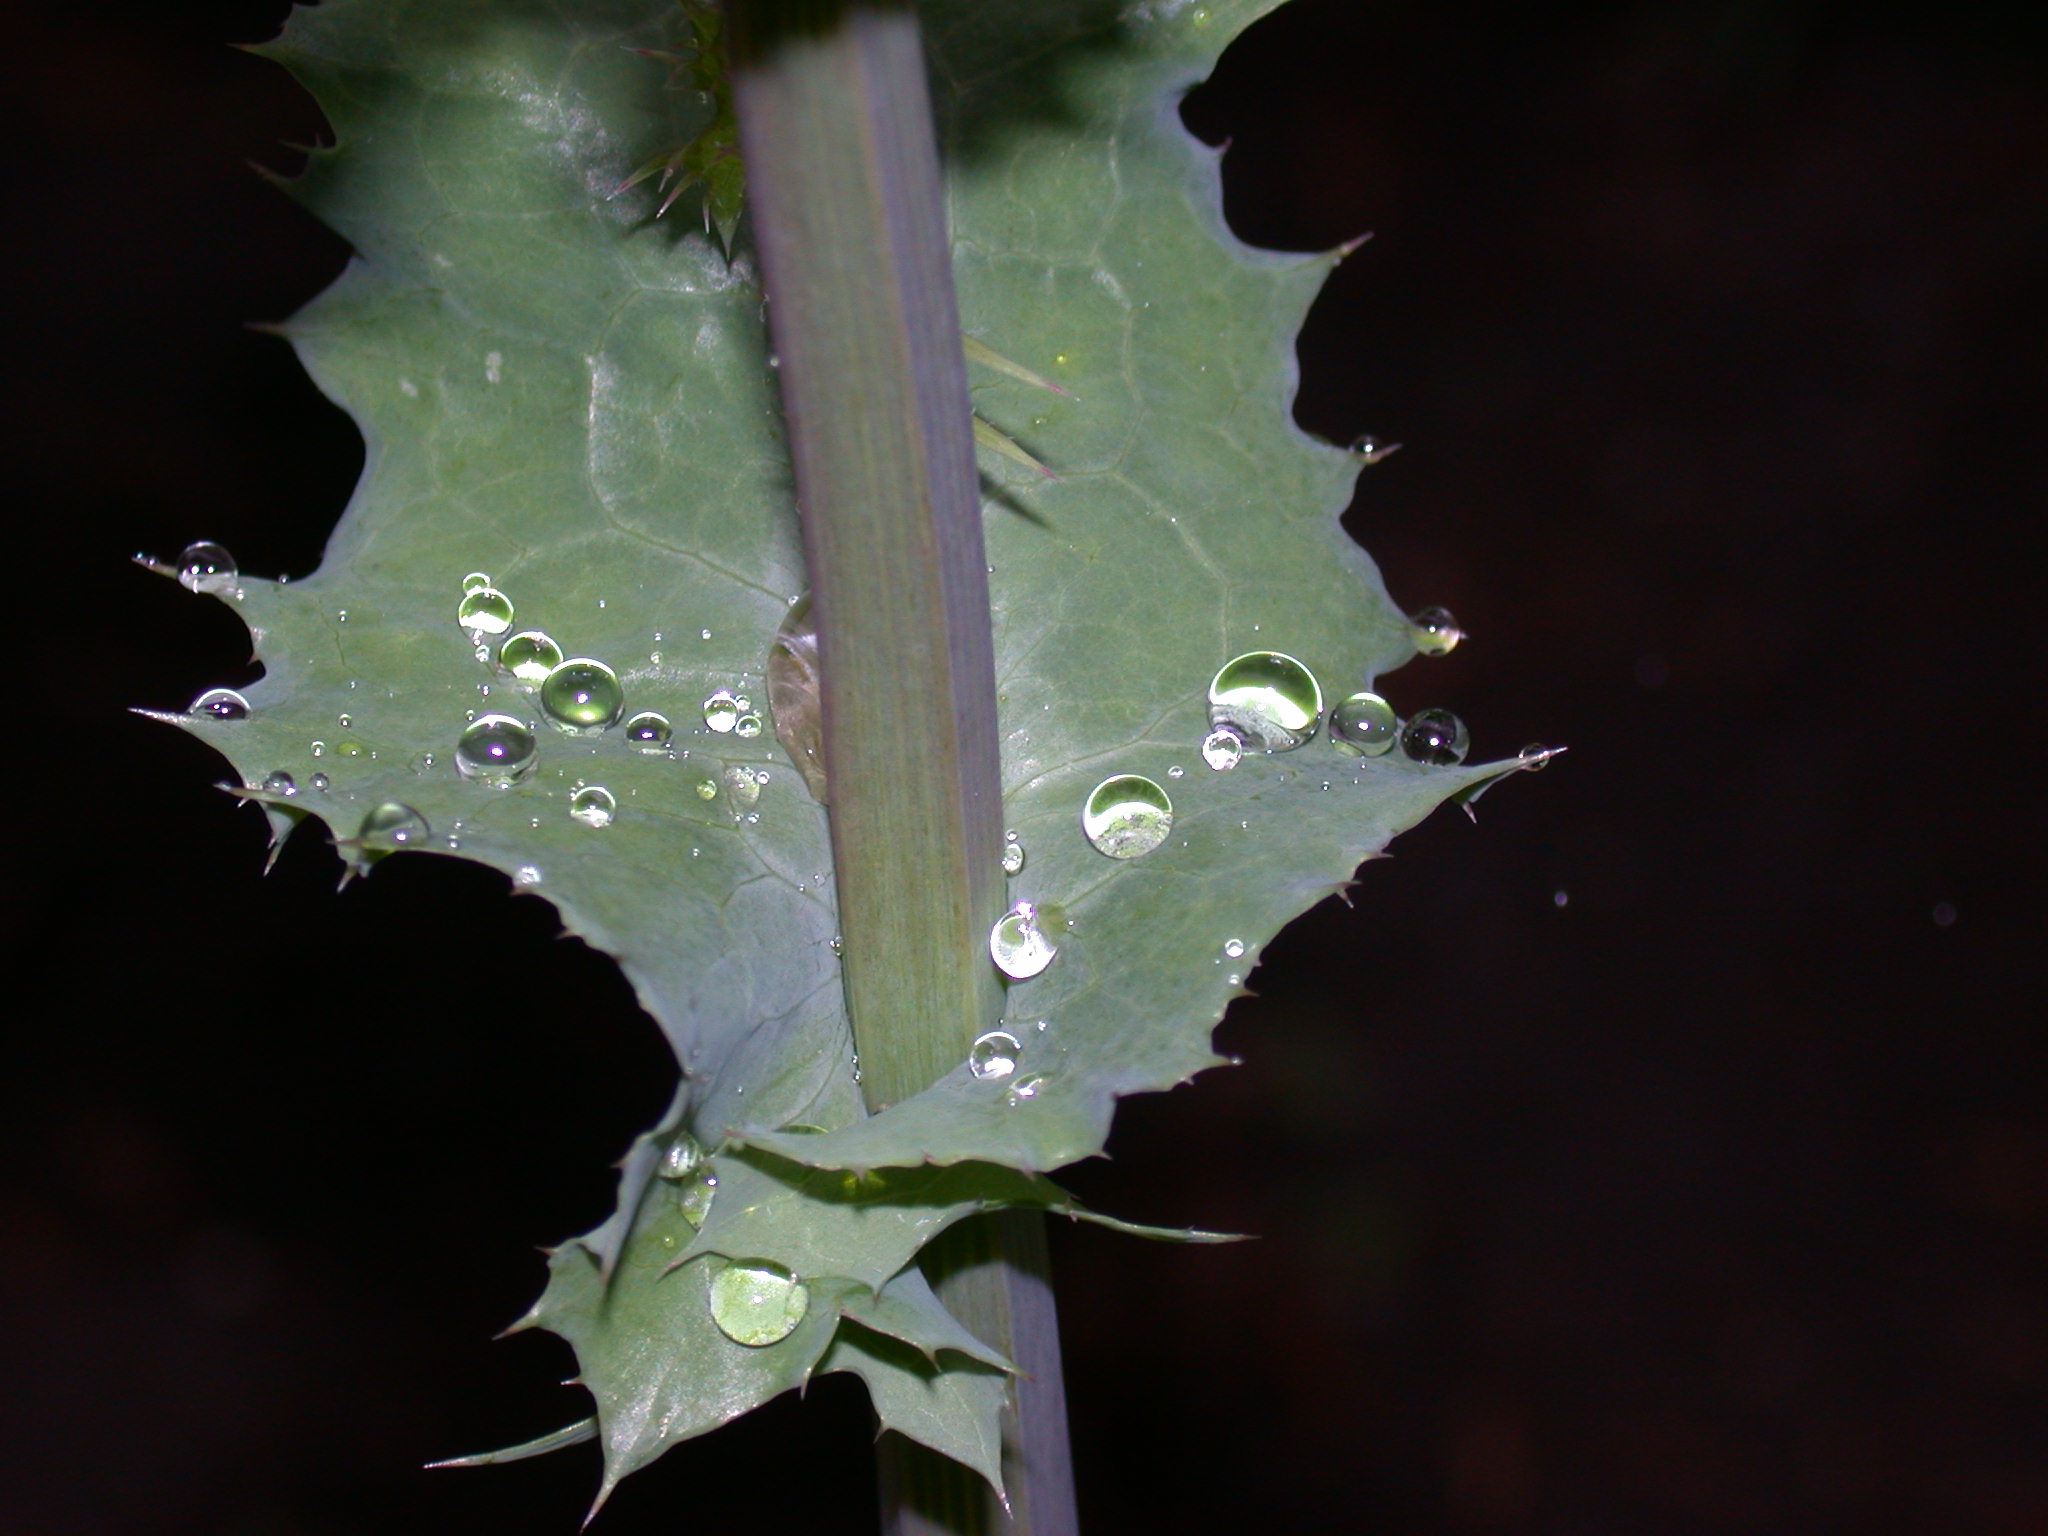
[(1222, 748), (1535, 756), (1234, 948), (721, 711), (484, 611), (1436, 632), (583, 694), (756, 1302), (221, 703), (994, 1055), (649, 731), (393, 822), (1268, 699), (530, 656), (681, 1159), (1013, 854), (1364, 725), (207, 567), (1018, 946), (497, 749), (476, 580), (320, 781), (1127, 816), (1025, 1088), (1436, 737), (594, 805), (707, 789), (281, 783)]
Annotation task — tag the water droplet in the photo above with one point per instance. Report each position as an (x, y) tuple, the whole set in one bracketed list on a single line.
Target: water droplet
[(721, 711), (1561, 898), (530, 656), (748, 725), (707, 789), (345, 721), (392, 822), (594, 805), (1176, 772), (681, 1159), (341, 617), (221, 703), (1234, 948), (527, 874), (1013, 854), (1436, 632), (1025, 1088), (994, 1055), (583, 694), (498, 749), (1222, 748), (694, 1198), (743, 785), (207, 567), (486, 611), (1371, 449), (1270, 700), (1364, 725), (1016, 944), (648, 731), (1127, 816), (320, 781), (319, 749), (703, 634), (281, 783), (755, 1302), (838, 944), (1436, 737), (1535, 757), (475, 580)]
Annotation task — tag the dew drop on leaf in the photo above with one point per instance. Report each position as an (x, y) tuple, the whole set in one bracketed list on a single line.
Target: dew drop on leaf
[(530, 656), (1222, 748), (1436, 737), (1436, 632), (221, 703), (1018, 946), (207, 567), (1364, 725), (496, 749), (1535, 757), (1127, 816), (1025, 1087), (743, 784), (486, 611), (320, 781), (582, 694), (994, 1055), (281, 783), (756, 1303), (594, 805), (721, 711), (1234, 948), (1013, 854), (649, 731), (1270, 699), (707, 789), (475, 580), (748, 725), (393, 822), (681, 1159)]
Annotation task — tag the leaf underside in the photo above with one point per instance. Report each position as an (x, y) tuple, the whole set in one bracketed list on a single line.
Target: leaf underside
[(561, 391)]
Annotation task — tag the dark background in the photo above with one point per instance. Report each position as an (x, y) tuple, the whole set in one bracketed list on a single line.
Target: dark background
[(1667, 1153)]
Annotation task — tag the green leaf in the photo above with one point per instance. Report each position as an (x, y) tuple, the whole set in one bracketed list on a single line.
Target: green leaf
[(955, 1408)]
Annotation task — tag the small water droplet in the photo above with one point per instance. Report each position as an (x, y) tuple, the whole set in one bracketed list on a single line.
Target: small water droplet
[(583, 694), (594, 805), (345, 721), (281, 783), (742, 785), (341, 617), (838, 944), (497, 749), (1018, 946), (426, 760), (476, 580), (392, 822), (486, 611), (221, 703), (1535, 757), (1270, 700), (321, 781), (527, 874), (694, 1198), (994, 1055), (1234, 948), (756, 1302), (707, 789), (1364, 725), (721, 711), (319, 749), (648, 731), (682, 1158), (1013, 855), (748, 725), (703, 634), (1176, 772), (1025, 1088), (1222, 748), (1436, 632), (1560, 898), (1436, 737), (207, 567), (530, 656), (1127, 816)]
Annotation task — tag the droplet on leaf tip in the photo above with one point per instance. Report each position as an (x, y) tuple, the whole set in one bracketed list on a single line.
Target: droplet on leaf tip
[(1436, 632), (208, 567), (221, 704)]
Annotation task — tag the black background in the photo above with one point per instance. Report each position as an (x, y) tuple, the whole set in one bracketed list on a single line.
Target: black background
[(1666, 1153)]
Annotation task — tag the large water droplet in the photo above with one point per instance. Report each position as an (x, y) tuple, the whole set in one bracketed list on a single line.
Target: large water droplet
[(1018, 946), (744, 785), (207, 567), (1436, 632), (681, 1159), (1013, 854), (1270, 700), (1127, 816), (497, 749), (748, 725), (281, 783), (994, 1055), (392, 822), (1364, 725), (1436, 737), (486, 611), (594, 805), (1222, 748), (721, 711), (530, 656), (583, 694), (755, 1302), (221, 703), (650, 732), (476, 580)]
